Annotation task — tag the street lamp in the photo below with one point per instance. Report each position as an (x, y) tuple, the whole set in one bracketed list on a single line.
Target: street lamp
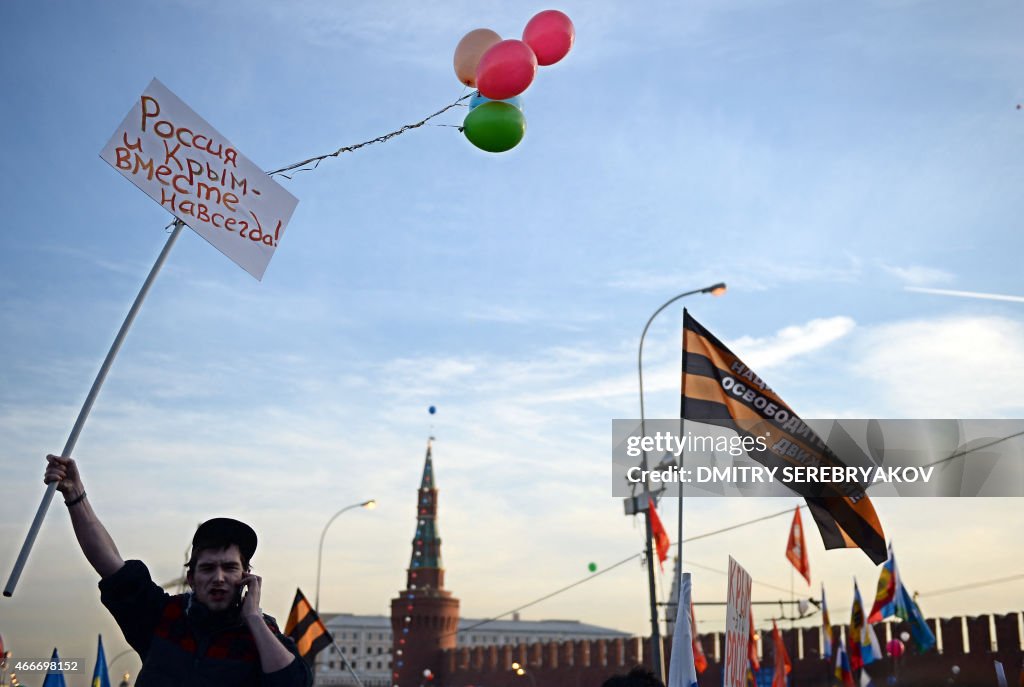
[(715, 290), (368, 505), (111, 662), (521, 671), (659, 670)]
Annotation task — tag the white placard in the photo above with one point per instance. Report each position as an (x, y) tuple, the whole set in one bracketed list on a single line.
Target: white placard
[(189, 168), (737, 626)]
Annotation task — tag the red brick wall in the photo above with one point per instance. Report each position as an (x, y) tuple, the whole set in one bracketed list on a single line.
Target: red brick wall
[(589, 663)]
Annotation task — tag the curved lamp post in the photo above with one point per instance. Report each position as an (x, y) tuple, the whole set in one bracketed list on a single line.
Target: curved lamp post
[(659, 668), (369, 505), (111, 662)]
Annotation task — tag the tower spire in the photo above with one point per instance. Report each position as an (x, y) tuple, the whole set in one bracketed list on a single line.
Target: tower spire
[(425, 571), (424, 617)]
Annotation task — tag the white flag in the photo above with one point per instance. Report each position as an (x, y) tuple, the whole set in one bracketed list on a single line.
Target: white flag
[(869, 640), (1000, 674), (681, 671)]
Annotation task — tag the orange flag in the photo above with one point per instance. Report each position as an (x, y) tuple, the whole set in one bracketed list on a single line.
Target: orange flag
[(755, 664), (782, 663), (306, 629), (796, 548), (661, 540), (719, 389), (700, 661)]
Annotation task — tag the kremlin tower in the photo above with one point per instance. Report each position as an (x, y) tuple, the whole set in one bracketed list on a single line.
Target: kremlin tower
[(424, 617)]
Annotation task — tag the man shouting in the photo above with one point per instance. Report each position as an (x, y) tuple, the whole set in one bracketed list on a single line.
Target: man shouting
[(214, 636)]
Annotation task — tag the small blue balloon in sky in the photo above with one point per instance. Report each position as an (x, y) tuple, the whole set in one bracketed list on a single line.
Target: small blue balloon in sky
[(432, 410), (477, 100)]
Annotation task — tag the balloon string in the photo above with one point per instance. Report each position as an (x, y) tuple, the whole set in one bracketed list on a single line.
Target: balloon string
[(314, 162)]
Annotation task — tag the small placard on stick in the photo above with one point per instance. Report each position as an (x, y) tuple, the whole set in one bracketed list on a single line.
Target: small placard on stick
[(189, 168)]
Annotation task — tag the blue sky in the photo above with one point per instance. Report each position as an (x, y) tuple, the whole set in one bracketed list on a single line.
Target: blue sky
[(819, 158)]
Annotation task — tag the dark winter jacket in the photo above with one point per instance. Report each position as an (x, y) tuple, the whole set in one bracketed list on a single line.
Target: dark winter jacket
[(183, 644)]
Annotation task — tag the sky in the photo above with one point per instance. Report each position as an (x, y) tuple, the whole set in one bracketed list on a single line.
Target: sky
[(846, 168)]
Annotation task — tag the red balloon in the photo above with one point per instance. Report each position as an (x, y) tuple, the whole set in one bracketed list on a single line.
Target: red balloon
[(895, 648), (550, 33), (506, 70)]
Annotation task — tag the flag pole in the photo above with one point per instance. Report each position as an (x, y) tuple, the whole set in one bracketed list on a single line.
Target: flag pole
[(344, 660), (83, 414), (682, 456), (656, 655), (792, 594)]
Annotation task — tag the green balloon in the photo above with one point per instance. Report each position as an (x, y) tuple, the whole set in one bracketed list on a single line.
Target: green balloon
[(495, 127), (592, 567)]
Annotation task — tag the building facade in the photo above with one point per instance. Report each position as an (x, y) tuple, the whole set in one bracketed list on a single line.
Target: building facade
[(366, 641)]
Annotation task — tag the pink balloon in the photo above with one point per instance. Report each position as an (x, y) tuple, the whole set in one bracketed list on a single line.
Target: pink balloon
[(550, 33), (506, 70), (894, 647)]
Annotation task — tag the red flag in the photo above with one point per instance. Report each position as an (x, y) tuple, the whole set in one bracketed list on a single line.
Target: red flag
[(752, 645), (796, 548), (700, 661), (885, 596), (661, 541), (782, 663), (844, 674)]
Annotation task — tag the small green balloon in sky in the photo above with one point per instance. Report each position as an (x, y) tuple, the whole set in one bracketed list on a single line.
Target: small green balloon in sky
[(592, 567)]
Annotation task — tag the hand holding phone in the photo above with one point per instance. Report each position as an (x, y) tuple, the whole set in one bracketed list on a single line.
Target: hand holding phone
[(249, 595)]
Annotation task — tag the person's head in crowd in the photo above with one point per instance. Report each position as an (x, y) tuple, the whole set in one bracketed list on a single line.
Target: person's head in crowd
[(638, 677), (221, 551)]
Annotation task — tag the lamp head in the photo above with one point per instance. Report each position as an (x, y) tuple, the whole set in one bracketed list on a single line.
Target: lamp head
[(716, 289)]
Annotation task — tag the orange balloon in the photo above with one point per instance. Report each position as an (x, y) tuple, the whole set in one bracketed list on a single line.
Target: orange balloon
[(469, 51)]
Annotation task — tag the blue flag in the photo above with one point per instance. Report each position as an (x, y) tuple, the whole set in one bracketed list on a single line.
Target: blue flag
[(826, 627), (893, 599), (907, 609), (55, 677), (100, 676)]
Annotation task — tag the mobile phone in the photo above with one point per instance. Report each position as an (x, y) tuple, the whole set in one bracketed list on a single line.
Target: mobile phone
[(240, 591)]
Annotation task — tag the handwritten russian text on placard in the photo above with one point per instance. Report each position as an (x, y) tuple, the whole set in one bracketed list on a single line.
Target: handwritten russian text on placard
[(737, 626), (188, 167)]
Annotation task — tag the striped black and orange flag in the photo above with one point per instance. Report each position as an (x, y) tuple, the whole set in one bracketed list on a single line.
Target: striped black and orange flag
[(718, 388), (306, 629)]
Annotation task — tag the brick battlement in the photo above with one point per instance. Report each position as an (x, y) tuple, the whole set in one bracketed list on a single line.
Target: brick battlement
[(970, 643)]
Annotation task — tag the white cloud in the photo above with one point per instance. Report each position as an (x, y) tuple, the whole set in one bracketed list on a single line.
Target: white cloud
[(950, 367), (792, 341), (918, 275), (512, 314), (746, 275)]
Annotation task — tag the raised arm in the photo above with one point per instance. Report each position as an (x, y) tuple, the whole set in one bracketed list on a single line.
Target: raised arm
[(98, 547)]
